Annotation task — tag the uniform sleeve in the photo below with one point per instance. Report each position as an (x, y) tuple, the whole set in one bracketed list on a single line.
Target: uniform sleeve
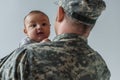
[(38, 67), (26, 68), (23, 65), (29, 67), (12, 67), (102, 68)]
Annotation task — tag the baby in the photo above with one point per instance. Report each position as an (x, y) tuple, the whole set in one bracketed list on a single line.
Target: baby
[(36, 28)]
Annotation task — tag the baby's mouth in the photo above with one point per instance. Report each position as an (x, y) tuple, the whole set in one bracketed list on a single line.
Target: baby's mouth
[(40, 33)]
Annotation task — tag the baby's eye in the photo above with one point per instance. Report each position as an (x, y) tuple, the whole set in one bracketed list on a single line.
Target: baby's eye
[(44, 24), (34, 25)]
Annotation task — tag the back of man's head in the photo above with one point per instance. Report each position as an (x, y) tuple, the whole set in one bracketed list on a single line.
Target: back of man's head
[(84, 11)]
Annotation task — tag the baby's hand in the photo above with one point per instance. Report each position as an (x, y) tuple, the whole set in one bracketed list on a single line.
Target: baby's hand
[(46, 40)]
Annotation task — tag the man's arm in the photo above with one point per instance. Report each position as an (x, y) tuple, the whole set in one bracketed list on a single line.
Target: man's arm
[(9, 65)]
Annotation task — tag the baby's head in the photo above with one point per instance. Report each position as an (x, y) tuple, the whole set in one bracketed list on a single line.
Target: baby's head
[(37, 25)]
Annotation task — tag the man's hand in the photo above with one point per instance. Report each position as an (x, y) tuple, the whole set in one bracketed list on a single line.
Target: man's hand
[(46, 40)]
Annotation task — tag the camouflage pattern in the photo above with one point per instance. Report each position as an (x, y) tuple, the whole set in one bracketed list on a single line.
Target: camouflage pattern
[(86, 10), (68, 57)]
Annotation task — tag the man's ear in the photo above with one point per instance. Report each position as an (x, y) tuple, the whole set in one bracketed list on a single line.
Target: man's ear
[(61, 14)]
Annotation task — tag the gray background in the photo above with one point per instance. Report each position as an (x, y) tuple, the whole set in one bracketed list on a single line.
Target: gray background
[(104, 37)]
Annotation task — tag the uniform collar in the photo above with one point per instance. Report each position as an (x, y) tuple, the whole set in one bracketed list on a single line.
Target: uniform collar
[(69, 36)]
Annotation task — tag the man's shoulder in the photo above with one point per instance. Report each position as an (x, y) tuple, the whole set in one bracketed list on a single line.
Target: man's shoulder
[(12, 55), (44, 45)]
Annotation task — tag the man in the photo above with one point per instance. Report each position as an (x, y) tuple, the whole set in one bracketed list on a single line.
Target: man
[(68, 56)]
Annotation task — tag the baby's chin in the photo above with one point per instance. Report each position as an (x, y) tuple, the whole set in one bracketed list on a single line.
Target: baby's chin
[(41, 39)]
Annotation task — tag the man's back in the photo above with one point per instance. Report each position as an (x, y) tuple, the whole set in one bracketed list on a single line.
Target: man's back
[(67, 58)]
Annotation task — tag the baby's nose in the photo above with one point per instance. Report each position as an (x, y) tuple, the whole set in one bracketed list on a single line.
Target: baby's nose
[(39, 26)]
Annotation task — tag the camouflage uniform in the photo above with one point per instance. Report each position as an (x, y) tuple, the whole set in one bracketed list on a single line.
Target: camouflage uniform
[(68, 57)]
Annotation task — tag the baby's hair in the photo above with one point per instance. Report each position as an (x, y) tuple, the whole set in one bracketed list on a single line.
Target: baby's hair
[(35, 11)]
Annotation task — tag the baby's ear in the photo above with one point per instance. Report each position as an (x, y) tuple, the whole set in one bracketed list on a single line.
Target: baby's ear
[(25, 31)]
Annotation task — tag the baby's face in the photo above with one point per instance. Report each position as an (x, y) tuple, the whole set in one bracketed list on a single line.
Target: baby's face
[(37, 27)]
